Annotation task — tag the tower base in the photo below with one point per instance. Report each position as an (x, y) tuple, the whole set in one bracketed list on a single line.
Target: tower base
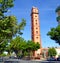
[(37, 54)]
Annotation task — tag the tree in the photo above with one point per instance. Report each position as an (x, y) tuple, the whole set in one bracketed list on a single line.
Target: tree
[(5, 5), (8, 49), (3, 47), (8, 24), (58, 12), (31, 47), (54, 33), (17, 45), (22, 47), (57, 9), (52, 52)]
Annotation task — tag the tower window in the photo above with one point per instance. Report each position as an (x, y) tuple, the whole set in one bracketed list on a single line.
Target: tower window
[(36, 23), (37, 37), (36, 20), (36, 28), (37, 32), (35, 16)]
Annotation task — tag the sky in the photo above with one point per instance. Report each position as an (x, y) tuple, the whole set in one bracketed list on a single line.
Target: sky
[(47, 18)]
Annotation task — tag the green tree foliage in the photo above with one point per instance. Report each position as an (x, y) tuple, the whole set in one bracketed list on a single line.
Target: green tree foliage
[(3, 47), (17, 45), (32, 45), (54, 34), (52, 52), (58, 18), (8, 49), (8, 24), (3, 54), (22, 47), (5, 5), (57, 9)]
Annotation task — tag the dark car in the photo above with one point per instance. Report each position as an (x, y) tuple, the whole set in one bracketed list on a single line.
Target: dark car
[(58, 59), (51, 59), (12, 57)]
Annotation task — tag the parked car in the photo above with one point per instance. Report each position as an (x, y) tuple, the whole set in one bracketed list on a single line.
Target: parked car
[(58, 59), (1, 59), (51, 59), (13, 57)]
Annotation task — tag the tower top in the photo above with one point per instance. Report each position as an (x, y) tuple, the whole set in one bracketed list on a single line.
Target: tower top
[(34, 7), (34, 10)]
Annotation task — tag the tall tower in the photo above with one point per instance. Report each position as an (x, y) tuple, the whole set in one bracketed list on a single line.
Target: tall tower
[(35, 29)]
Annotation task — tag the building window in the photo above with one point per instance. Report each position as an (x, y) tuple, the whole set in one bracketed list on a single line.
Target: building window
[(36, 28), (36, 32), (35, 16), (37, 37), (36, 23)]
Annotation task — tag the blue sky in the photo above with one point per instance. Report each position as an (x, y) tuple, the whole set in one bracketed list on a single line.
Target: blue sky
[(47, 16)]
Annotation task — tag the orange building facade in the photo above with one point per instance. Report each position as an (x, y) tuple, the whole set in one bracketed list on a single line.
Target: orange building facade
[(35, 29)]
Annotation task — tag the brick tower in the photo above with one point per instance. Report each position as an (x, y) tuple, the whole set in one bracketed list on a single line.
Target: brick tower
[(35, 29)]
